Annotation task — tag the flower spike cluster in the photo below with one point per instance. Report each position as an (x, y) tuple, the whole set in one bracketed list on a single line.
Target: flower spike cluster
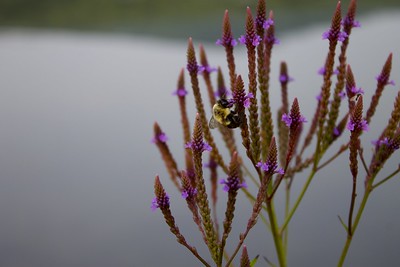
[(265, 163)]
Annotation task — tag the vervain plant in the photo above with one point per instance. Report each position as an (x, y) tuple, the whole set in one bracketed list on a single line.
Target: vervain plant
[(270, 160)]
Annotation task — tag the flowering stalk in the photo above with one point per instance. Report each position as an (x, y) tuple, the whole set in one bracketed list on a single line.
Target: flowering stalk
[(161, 201), (283, 131), (193, 69), (348, 23), (252, 40), (333, 35), (232, 185), (263, 70), (198, 146), (228, 42), (160, 140), (382, 81), (356, 125)]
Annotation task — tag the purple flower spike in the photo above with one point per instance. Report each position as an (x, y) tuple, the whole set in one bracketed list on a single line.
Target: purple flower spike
[(180, 92), (209, 69)]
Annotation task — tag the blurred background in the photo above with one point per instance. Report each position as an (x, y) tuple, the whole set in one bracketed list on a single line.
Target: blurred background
[(81, 85)]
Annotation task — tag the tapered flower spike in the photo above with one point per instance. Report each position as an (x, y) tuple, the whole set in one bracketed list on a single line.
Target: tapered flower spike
[(356, 125), (334, 34), (394, 120), (198, 146), (349, 21), (263, 70), (294, 121), (270, 38), (189, 194), (251, 40), (261, 18), (239, 97), (193, 71), (162, 202), (244, 260), (228, 42), (169, 161), (383, 79), (232, 185), (283, 131)]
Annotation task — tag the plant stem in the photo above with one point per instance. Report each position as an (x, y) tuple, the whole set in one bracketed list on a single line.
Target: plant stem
[(387, 178), (276, 235), (296, 204), (367, 191)]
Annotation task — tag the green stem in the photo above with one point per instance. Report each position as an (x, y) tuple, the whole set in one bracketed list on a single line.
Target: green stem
[(386, 179), (276, 235), (368, 190), (296, 204)]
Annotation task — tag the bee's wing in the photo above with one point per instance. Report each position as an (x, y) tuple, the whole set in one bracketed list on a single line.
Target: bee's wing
[(213, 123)]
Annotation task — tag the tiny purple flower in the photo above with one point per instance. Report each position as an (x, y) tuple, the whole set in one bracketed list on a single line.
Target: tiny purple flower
[(189, 193), (356, 90), (245, 39), (160, 203), (341, 36), (232, 184), (180, 92), (247, 100), (288, 120), (389, 143), (268, 23), (336, 132), (322, 71), (208, 69), (351, 126), (226, 42), (285, 79), (382, 79), (267, 167), (204, 146), (272, 40), (342, 94), (162, 138), (318, 97), (351, 22)]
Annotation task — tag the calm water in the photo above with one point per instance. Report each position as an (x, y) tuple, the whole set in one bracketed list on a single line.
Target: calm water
[(77, 165)]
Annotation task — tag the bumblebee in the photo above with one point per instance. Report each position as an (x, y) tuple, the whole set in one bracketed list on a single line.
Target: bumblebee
[(224, 114)]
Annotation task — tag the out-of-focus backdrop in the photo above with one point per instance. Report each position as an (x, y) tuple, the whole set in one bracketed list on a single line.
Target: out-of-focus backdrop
[(81, 84)]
